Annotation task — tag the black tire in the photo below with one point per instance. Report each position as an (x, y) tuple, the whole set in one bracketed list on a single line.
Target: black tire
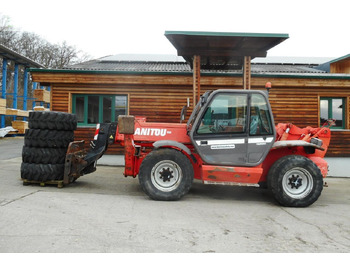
[(52, 120), (43, 155), (166, 174), (295, 181), (48, 138), (42, 172)]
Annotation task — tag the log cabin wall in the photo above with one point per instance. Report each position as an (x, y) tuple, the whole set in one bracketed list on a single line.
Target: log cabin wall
[(297, 101), (160, 97), (342, 66)]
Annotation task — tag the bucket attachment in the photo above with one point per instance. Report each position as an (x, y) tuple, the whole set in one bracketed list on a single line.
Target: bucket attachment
[(79, 161), (75, 162)]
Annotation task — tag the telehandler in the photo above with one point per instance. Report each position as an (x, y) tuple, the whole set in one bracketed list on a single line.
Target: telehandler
[(229, 139)]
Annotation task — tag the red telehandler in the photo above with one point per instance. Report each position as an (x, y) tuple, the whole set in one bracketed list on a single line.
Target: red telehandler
[(229, 139)]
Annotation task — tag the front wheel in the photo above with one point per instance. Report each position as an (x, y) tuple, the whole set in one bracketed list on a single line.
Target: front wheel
[(295, 181), (166, 174)]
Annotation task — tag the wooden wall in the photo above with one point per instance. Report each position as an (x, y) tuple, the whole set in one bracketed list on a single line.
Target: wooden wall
[(297, 101), (342, 66), (161, 97)]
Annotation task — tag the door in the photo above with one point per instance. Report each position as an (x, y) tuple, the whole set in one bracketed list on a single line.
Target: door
[(261, 129), (234, 128)]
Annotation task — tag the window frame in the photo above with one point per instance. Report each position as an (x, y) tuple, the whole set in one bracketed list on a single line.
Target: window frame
[(330, 111), (268, 114), (100, 107), (224, 134), (247, 120)]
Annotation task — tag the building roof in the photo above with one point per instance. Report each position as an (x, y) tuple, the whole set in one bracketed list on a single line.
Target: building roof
[(142, 58), (292, 60), (8, 53), (171, 63), (340, 59), (222, 50), (131, 64)]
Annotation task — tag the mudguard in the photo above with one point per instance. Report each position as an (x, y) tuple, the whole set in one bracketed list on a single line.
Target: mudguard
[(171, 143)]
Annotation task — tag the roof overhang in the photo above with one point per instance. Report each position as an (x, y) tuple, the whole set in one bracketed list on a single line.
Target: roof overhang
[(8, 53), (346, 57), (219, 50)]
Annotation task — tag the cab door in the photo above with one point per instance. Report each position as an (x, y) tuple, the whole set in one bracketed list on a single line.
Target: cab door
[(233, 128), (261, 129)]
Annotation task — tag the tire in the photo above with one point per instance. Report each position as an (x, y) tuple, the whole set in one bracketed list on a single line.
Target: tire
[(45, 145), (42, 172), (295, 181), (35, 155), (166, 174), (52, 120), (48, 138)]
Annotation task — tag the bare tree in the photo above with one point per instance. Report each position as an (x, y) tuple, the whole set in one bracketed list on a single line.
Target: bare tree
[(7, 33), (34, 47)]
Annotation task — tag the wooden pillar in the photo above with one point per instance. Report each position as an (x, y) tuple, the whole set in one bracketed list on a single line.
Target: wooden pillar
[(196, 79), (246, 72)]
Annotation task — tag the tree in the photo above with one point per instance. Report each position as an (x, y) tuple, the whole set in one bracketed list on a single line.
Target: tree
[(6, 31), (38, 49)]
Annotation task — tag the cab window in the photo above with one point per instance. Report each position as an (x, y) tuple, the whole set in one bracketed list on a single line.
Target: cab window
[(225, 114), (260, 120)]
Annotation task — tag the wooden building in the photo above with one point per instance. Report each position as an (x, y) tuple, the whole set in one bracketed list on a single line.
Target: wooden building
[(340, 65), (303, 93)]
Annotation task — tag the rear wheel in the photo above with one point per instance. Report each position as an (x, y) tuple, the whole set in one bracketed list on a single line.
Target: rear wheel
[(166, 174), (295, 181)]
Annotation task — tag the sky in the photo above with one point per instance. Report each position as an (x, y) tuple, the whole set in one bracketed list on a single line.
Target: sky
[(316, 28)]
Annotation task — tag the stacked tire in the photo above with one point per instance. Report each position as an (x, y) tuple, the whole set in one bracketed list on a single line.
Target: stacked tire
[(45, 145)]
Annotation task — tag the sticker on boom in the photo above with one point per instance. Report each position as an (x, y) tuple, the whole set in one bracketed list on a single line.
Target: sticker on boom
[(151, 131)]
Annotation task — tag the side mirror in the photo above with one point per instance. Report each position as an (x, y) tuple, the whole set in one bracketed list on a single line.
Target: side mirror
[(183, 113)]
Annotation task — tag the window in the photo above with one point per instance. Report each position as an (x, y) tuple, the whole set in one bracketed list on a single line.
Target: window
[(332, 108), (260, 120), (228, 113), (93, 109), (225, 114)]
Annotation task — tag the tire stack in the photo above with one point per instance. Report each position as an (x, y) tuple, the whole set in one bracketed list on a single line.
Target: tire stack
[(45, 146)]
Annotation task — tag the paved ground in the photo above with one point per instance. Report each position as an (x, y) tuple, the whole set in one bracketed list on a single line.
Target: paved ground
[(105, 212), (11, 147)]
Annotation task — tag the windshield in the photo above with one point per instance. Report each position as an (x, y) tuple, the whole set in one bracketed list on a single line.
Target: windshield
[(193, 116), (197, 109), (226, 113)]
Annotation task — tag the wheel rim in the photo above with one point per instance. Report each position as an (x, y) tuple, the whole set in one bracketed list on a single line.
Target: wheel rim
[(166, 175), (297, 183)]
